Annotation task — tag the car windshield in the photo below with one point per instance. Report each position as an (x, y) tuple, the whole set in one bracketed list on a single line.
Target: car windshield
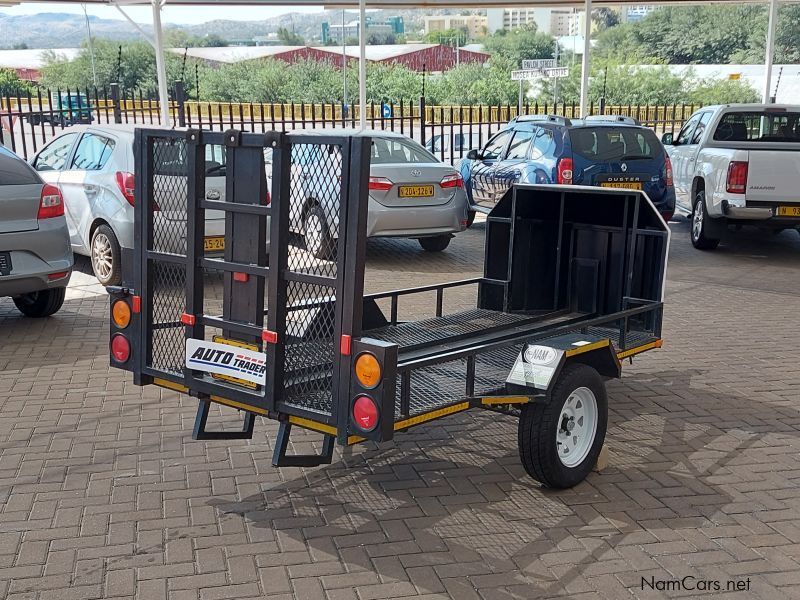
[(395, 151), (773, 125), (615, 143)]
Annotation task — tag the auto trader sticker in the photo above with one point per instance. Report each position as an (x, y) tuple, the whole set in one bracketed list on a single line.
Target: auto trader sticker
[(224, 359), (535, 366)]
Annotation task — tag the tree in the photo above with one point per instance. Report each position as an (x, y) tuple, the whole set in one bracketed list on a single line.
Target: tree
[(12, 85), (457, 36), (605, 18), (290, 38), (524, 43)]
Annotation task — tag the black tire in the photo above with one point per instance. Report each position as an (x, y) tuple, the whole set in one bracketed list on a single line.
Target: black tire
[(698, 228), (541, 423), (106, 261), (434, 244), (470, 218), (41, 304), (319, 242)]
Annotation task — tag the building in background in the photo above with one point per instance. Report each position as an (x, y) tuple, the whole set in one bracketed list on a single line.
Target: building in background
[(474, 25), (27, 64), (636, 12), (387, 29), (553, 21)]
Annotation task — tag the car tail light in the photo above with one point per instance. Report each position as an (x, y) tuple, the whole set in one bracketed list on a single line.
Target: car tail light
[(120, 348), (452, 181), (368, 370), (381, 184), (267, 199), (126, 185), (668, 171), (365, 413), (564, 170), (121, 314), (737, 177), (51, 202)]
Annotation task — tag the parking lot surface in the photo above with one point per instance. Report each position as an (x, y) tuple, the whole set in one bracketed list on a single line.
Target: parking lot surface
[(103, 493)]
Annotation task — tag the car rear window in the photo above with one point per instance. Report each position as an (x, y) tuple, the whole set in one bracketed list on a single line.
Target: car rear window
[(15, 171), (386, 151), (615, 143), (759, 126)]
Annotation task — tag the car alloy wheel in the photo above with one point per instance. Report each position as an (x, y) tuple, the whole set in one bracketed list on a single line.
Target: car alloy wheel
[(697, 220), (102, 256)]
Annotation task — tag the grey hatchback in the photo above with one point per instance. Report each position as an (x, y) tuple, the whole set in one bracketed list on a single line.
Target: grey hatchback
[(35, 254)]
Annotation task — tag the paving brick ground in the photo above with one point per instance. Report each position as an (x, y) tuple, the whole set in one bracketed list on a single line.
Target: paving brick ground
[(103, 494)]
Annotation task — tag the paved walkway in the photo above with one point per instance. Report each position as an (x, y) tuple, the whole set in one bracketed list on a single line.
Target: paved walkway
[(103, 493)]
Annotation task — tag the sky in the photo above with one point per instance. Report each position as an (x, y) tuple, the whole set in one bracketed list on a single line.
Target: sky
[(183, 15)]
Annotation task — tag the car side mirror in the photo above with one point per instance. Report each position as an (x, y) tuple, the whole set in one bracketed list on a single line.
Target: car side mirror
[(666, 139), (474, 155)]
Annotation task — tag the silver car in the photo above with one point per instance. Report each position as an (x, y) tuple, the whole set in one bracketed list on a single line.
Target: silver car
[(411, 193), (93, 166), (35, 256)]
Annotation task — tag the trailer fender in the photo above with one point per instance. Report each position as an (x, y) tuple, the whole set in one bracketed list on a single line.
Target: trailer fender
[(538, 366)]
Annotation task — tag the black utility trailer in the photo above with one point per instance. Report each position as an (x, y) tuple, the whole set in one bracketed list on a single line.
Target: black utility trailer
[(573, 284)]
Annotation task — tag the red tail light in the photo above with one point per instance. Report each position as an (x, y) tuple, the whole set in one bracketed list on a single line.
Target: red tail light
[(737, 177), (564, 171), (668, 171), (267, 199), (452, 181), (51, 202), (381, 184), (365, 413), (120, 348), (125, 183)]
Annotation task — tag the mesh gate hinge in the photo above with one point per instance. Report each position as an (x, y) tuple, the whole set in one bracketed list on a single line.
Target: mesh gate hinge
[(233, 138)]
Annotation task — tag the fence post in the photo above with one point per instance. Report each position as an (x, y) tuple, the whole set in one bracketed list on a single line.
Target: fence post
[(421, 120), (180, 100), (115, 102)]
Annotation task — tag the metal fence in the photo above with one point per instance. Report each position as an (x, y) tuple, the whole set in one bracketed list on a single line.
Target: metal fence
[(30, 121)]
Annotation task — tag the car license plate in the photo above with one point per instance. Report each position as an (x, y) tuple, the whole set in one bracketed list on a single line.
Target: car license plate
[(415, 191), (622, 185), (5, 263), (788, 211), (236, 380), (214, 243)]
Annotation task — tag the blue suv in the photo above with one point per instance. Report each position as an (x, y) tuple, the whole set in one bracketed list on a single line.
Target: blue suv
[(605, 151)]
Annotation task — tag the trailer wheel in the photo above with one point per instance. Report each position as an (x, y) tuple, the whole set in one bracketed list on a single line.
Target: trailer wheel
[(559, 440), (319, 242)]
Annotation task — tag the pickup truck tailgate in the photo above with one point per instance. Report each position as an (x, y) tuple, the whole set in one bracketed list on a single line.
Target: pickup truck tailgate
[(773, 175)]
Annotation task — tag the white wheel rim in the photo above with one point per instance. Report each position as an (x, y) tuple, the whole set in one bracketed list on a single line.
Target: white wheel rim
[(697, 220), (313, 232), (101, 256), (577, 427)]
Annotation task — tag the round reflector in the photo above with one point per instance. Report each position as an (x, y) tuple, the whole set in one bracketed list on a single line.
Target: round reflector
[(120, 348), (365, 413), (121, 313), (368, 370)]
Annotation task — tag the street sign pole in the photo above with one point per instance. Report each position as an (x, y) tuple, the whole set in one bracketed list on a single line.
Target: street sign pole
[(519, 105)]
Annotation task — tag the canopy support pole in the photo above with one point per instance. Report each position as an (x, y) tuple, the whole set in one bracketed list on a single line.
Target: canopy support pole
[(587, 35), (362, 64), (770, 49), (161, 67)]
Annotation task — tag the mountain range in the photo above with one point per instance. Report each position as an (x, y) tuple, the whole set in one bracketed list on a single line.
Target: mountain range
[(66, 30)]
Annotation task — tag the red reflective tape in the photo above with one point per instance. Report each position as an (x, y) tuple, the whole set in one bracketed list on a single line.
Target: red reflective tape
[(136, 304), (243, 277), (346, 345), (271, 337), (188, 319)]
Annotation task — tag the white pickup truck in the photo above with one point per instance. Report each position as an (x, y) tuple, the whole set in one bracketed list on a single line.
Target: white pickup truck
[(737, 164)]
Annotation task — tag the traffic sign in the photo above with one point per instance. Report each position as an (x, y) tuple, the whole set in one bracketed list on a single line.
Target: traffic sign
[(540, 63), (387, 111), (526, 75)]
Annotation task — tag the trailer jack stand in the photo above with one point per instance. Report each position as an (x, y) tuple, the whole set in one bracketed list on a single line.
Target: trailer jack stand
[(280, 459), (200, 433)]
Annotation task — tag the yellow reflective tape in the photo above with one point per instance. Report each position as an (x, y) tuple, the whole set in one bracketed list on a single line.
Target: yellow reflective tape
[(354, 439), (170, 385), (239, 405), (442, 412), (505, 400), (639, 349), (313, 425), (587, 348)]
